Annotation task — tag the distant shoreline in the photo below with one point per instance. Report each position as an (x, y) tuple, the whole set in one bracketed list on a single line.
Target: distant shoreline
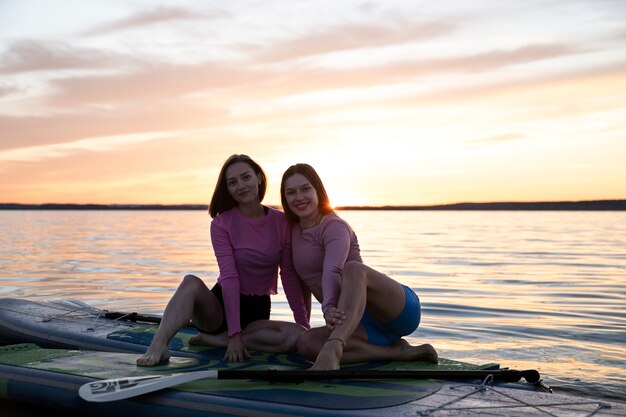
[(590, 205)]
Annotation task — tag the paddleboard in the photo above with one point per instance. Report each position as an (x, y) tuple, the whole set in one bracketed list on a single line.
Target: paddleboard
[(53, 377), (70, 343)]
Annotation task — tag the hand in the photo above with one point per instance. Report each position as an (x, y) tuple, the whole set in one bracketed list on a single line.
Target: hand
[(236, 350), (334, 317)]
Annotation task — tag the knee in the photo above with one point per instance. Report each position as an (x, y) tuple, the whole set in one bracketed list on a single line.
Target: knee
[(191, 282), (353, 269), (290, 338), (308, 346)]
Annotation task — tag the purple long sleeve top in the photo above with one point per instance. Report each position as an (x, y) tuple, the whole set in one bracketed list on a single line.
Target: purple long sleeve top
[(319, 254), (249, 255)]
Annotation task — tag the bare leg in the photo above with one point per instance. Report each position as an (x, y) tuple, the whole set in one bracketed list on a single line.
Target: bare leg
[(273, 336), (359, 350), (191, 301), (263, 335), (361, 287), (208, 339)]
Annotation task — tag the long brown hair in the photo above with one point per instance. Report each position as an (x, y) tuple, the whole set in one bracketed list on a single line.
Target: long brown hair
[(310, 174), (222, 200)]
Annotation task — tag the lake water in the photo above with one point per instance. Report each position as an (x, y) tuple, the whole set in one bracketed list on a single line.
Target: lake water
[(542, 290)]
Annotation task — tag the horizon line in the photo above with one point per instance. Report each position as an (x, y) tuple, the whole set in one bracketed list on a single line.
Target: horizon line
[(604, 204)]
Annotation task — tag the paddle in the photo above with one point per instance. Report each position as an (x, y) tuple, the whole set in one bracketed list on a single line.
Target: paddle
[(121, 388)]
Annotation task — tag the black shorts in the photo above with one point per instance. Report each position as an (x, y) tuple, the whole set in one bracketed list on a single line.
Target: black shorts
[(251, 308)]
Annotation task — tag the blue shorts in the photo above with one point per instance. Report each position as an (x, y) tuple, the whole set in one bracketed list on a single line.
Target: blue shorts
[(404, 324)]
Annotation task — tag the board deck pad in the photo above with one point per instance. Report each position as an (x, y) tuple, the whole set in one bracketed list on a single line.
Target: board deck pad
[(338, 394)]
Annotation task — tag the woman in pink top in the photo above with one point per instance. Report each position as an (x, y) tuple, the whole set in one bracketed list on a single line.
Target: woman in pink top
[(366, 312), (251, 243)]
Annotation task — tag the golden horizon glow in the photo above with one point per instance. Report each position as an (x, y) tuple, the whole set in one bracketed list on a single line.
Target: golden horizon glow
[(402, 103)]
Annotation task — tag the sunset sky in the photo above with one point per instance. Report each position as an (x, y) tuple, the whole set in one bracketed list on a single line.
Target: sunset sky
[(394, 102)]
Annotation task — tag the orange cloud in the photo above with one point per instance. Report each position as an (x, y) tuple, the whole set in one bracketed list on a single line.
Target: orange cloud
[(27, 131)]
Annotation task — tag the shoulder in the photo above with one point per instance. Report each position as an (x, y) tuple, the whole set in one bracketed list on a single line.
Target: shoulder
[(335, 225), (277, 216), (224, 219), (272, 212), (332, 220)]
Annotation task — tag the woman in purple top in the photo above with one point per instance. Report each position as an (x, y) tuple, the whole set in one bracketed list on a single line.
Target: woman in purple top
[(366, 312), (251, 243)]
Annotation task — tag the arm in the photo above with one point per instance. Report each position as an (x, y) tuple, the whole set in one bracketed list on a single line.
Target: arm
[(229, 280), (336, 240), (307, 299), (229, 277), (293, 286)]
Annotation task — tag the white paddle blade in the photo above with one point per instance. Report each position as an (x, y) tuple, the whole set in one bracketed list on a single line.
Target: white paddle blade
[(121, 388)]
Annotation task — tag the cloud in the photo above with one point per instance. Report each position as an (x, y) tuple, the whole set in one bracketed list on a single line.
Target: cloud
[(27, 131), (167, 82), (528, 98), (545, 99), (151, 83), (161, 97), (7, 89), (29, 56), (355, 37), (495, 59), (97, 144), (409, 71), (151, 17)]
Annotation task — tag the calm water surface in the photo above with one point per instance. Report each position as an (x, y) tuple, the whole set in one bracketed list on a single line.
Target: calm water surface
[(543, 290)]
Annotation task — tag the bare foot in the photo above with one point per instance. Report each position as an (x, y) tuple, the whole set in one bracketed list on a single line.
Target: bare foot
[(205, 339), (410, 353), (156, 353), (329, 357)]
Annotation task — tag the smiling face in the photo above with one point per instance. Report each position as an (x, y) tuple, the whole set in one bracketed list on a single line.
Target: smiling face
[(242, 183), (301, 198)]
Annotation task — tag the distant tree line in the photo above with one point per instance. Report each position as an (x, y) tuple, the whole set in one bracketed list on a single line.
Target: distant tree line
[(595, 205)]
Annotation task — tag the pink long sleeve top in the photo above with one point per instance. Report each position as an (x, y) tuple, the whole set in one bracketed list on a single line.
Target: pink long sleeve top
[(319, 254), (249, 254)]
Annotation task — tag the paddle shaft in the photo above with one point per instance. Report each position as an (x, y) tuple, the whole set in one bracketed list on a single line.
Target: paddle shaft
[(273, 375), (121, 388)]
